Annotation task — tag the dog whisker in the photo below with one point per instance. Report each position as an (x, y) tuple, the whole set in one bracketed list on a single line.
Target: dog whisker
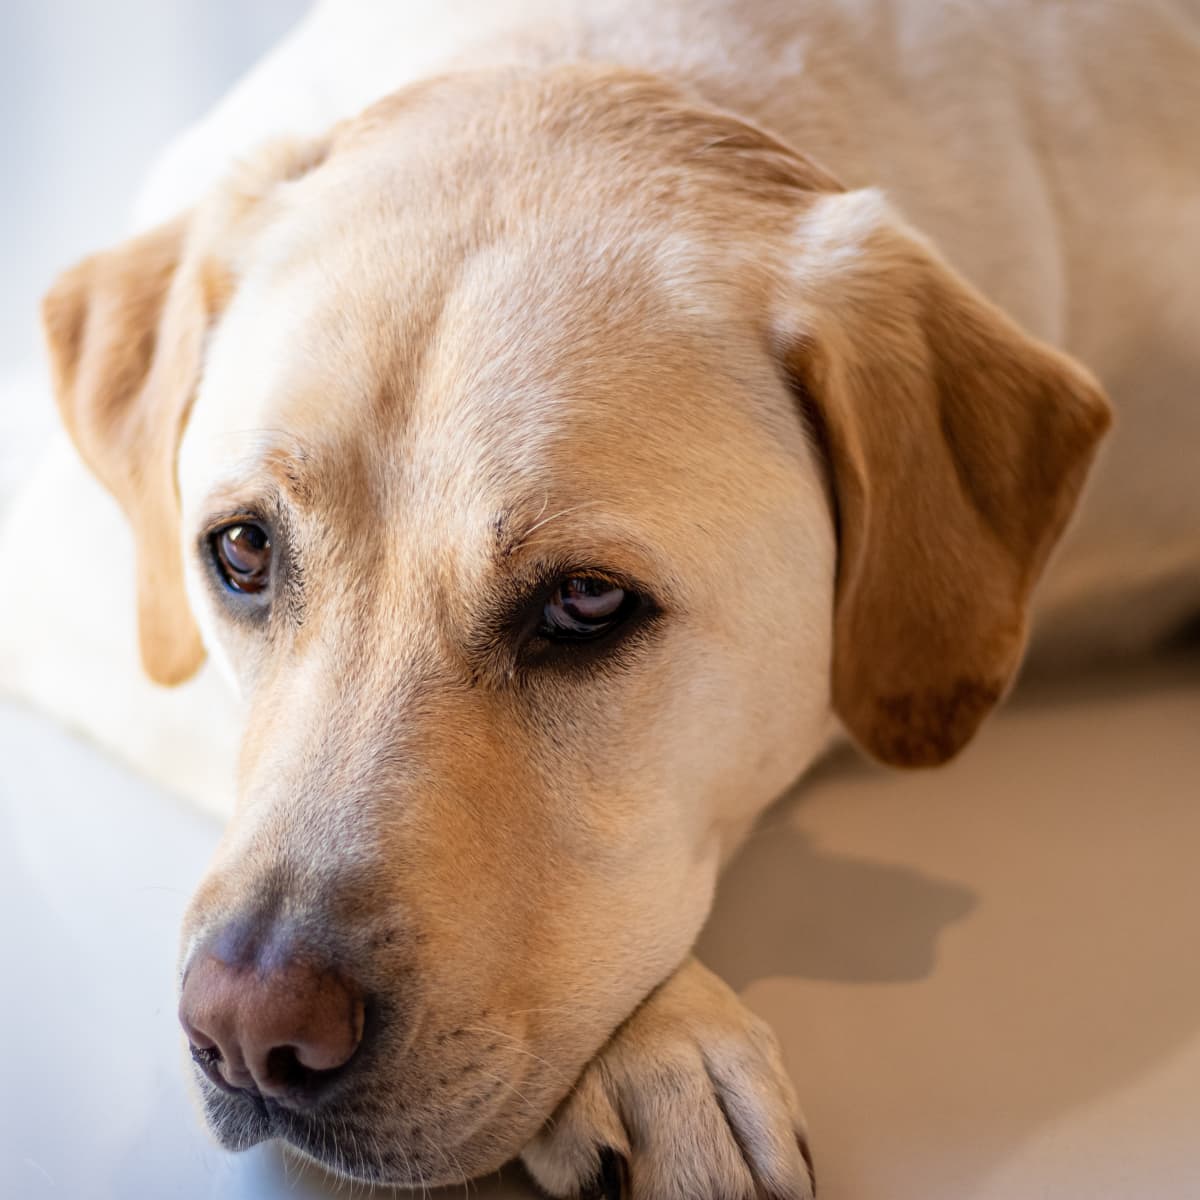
[(511, 1087), (518, 1047)]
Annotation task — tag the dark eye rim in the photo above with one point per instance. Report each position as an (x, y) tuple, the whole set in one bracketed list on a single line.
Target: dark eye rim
[(223, 571), (531, 652)]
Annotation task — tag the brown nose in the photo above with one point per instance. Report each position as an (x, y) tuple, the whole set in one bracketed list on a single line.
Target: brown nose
[(281, 1028)]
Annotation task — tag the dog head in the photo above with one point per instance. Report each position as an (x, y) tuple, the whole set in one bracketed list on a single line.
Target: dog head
[(547, 458)]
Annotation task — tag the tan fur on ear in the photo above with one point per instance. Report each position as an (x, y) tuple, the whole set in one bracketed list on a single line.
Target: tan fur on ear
[(958, 446), (126, 331), (124, 363)]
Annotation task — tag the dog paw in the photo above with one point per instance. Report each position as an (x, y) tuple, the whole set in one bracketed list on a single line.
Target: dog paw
[(689, 1100)]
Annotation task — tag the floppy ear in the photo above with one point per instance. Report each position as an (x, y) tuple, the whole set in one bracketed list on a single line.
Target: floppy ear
[(957, 446), (125, 343), (126, 331)]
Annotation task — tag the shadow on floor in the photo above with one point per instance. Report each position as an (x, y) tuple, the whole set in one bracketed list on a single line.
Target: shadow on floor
[(821, 916)]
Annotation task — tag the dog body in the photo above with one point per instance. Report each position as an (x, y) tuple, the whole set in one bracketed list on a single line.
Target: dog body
[(570, 307)]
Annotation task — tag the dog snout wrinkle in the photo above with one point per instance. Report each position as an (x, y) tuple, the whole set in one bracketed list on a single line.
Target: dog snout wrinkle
[(273, 1024)]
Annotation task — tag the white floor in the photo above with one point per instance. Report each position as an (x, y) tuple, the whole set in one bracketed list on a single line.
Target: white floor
[(986, 978)]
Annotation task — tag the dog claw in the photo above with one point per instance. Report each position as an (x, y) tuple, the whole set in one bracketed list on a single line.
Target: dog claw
[(612, 1179), (806, 1154)]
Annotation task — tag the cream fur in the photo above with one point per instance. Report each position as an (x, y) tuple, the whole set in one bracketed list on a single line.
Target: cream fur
[(1039, 148)]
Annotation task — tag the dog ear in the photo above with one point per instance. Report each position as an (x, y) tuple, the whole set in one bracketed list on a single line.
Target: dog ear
[(125, 346), (125, 331), (957, 447)]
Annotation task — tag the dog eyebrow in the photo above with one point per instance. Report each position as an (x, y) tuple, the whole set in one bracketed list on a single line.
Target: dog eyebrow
[(287, 468), (279, 454), (511, 531)]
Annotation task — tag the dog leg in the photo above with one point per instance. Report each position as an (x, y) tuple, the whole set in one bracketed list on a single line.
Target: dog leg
[(688, 1099)]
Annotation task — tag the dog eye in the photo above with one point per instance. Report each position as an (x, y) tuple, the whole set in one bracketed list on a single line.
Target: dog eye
[(585, 607), (242, 553)]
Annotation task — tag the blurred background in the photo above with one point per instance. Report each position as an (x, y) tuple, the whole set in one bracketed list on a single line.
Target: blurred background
[(90, 93)]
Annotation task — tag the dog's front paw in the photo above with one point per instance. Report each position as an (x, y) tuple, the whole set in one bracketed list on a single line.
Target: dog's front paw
[(688, 1101)]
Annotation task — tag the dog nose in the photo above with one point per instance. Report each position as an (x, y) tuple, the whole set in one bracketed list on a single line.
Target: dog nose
[(282, 1029)]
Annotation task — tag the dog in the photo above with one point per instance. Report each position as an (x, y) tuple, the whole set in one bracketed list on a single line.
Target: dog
[(559, 426)]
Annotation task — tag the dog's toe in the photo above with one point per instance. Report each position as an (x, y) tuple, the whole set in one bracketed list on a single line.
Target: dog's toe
[(689, 1099)]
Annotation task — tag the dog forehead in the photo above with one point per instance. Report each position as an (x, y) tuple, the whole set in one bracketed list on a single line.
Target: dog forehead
[(512, 268), (462, 354)]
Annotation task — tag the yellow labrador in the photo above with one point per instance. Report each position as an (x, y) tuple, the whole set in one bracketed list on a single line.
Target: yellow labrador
[(554, 458)]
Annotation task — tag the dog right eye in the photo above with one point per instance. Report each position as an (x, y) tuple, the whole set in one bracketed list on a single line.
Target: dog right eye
[(242, 554)]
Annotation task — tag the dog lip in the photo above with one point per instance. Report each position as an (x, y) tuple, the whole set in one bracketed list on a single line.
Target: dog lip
[(241, 1118), (253, 1118)]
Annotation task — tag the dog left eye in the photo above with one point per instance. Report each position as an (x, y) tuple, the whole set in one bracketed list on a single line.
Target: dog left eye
[(242, 553), (585, 607)]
